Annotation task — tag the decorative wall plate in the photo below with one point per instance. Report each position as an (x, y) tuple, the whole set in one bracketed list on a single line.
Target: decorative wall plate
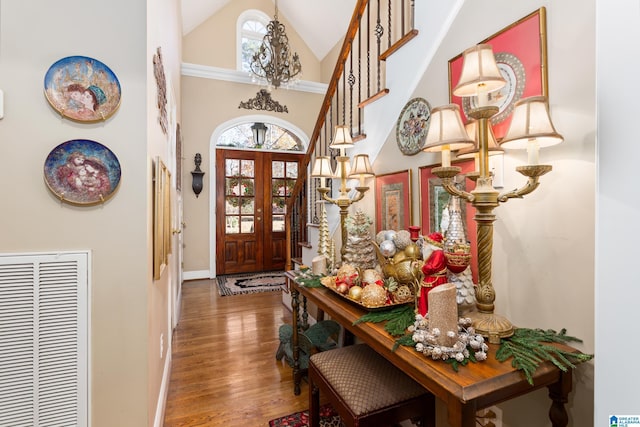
[(82, 89), (413, 125), (82, 172)]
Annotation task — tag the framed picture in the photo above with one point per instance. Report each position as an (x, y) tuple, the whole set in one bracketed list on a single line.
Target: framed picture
[(161, 217), (82, 89), (412, 126), (393, 201), (521, 54), (82, 172), (435, 199)]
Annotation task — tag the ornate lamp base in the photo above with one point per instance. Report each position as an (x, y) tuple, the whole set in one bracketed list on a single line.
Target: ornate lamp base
[(491, 325)]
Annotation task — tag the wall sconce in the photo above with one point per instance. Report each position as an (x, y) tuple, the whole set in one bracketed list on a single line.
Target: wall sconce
[(530, 128), (259, 133), (197, 175)]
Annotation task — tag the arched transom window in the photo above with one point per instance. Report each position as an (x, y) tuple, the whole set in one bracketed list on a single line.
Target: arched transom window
[(260, 136)]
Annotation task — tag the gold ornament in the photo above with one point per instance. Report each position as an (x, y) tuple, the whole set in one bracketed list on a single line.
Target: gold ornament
[(373, 296)]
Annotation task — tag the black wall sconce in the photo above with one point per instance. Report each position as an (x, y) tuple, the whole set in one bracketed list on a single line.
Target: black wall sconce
[(197, 175)]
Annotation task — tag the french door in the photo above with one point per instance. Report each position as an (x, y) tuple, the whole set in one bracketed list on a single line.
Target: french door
[(252, 188)]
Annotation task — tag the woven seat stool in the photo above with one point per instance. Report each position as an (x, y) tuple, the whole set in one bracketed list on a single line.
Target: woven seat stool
[(365, 389)]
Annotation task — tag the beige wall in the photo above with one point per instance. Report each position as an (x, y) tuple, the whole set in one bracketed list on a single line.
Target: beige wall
[(125, 304), (206, 104), (214, 42)]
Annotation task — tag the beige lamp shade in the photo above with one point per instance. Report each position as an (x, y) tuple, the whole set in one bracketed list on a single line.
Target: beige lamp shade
[(322, 167), (472, 130), (361, 167), (480, 72), (341, 138), (446, 131), (343, 163), (531, 122)]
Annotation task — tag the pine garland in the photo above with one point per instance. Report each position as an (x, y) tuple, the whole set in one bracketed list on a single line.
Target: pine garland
[(527, 348), (398, 319), (310, 280)]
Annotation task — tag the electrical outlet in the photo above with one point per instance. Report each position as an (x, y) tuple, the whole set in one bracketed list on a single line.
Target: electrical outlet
[(490, 417), (161, 345)]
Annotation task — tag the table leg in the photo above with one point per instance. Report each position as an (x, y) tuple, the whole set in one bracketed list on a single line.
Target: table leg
[(559, 394), (461, 414), (295, 307)]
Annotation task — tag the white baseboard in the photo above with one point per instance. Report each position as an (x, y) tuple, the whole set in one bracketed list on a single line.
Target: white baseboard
[(164, 390), (195, 275)]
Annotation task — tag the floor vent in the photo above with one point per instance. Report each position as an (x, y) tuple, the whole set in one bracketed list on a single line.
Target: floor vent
[(44, 339)]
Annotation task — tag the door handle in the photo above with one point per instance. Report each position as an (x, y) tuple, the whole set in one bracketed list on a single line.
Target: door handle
[(176, 231)]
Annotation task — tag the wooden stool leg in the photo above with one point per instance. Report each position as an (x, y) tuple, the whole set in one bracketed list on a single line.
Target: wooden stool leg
[(314, 404)]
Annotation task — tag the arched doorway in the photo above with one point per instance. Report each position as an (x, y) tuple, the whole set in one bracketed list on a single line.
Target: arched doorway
[(257, 162)]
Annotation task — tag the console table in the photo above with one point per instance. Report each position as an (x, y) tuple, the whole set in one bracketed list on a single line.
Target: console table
[(474, 387)]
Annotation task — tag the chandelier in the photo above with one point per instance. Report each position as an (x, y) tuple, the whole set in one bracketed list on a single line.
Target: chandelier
[(273, 63)]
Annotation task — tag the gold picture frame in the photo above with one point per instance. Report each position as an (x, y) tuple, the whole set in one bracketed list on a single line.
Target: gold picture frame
[(161, 217)]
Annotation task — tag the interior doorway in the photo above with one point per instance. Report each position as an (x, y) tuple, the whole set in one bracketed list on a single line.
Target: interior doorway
[(252, 188)]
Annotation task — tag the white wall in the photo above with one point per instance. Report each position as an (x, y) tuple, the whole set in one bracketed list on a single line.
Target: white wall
[(618, 210), (543, 253)]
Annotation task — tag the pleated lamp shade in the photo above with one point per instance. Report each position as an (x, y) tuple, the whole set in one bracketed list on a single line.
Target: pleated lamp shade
[(446, 131), (361, 167), (480, 72), (322, 167), (341, 138), (531, 122)]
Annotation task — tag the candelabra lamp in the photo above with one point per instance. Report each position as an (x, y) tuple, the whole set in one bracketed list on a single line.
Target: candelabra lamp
[(361, 170), (530, 128)]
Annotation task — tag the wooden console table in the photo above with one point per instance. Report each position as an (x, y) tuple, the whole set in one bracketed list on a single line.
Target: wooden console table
[(474, 387)]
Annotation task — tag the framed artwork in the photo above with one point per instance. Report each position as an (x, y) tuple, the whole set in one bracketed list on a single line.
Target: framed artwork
[(82, 89), (161, 217), (393, 201), (412, 126), (161, 86), (434, 200), (82, 172), (521, 54)]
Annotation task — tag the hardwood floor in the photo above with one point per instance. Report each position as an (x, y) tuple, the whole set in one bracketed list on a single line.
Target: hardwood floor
[(224, 371)]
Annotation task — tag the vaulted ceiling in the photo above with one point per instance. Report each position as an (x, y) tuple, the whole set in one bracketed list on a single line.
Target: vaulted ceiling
[(320, 23)]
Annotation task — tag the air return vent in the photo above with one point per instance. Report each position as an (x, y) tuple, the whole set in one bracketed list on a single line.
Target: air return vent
[(44, 339)]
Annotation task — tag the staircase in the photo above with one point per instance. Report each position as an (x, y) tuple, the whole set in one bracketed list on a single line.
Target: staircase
[(386, 50)]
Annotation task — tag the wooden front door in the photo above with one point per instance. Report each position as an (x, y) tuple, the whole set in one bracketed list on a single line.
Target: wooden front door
[(251, 192)]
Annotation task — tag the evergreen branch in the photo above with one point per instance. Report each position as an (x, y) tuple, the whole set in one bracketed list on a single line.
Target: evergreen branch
[(405, 340), (310, 280), (383, 315), (527, 349)]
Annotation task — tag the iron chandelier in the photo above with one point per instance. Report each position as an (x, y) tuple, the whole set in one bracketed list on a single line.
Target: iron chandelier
[(273, 63)]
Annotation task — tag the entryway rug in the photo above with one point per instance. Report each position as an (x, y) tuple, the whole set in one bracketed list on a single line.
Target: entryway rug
[(328, 418), (237, 284)]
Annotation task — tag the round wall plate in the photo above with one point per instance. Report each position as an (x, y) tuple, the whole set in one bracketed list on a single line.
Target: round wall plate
[(413, 125)]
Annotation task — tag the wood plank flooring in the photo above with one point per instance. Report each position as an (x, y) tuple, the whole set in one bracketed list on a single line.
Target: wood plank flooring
[(224, 371)]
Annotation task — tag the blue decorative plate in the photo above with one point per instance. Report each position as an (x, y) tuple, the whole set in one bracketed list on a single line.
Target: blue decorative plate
[(82, 89), (82, 172)]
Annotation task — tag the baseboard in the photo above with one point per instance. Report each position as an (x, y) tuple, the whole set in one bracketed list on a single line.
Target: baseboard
[(195, 275), (164, 390)]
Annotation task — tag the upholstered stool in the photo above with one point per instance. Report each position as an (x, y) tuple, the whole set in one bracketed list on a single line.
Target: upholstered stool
[(366, 389)]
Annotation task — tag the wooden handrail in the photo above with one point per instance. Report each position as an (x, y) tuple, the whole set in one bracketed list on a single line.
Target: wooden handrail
[(354, 25)]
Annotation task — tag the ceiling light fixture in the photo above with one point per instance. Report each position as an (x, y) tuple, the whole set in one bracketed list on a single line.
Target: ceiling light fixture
[(273, 63)]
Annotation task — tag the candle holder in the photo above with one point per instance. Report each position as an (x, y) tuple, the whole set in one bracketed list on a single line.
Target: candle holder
[(530, 128)]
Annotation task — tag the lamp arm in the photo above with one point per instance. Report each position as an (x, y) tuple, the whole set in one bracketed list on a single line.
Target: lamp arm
[(360, 195), (530, 186), (323, 192), (449, 185), (533, 173)]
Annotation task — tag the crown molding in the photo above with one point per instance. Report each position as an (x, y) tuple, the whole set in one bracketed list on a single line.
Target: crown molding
[(225, 74)]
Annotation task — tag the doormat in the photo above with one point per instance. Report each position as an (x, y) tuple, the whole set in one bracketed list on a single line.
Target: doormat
[(328, 418), (237, 284)]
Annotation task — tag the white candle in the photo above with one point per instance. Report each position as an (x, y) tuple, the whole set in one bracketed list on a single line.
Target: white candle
[(446, 157), (532, 151), (319, 265)]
